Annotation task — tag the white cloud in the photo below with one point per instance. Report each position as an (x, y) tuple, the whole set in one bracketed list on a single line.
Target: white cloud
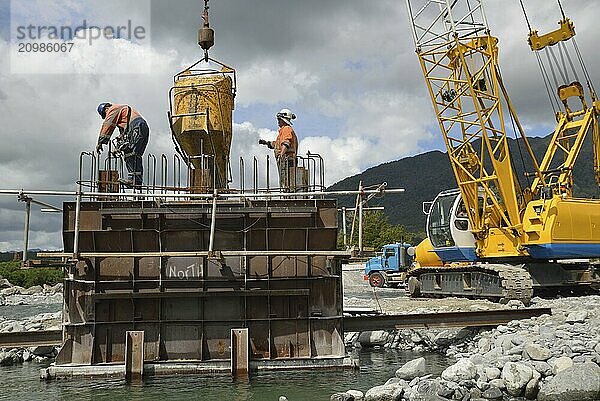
[(348, 61)]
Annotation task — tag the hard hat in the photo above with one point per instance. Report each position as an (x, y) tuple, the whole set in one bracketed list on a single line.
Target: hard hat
[(102, 109), (286, 115)]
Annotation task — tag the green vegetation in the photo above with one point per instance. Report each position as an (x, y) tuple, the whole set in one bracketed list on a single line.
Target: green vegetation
[(29, 277), (378, 231)]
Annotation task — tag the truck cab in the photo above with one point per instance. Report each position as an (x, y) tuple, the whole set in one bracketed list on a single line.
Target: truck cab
[(388, 268)]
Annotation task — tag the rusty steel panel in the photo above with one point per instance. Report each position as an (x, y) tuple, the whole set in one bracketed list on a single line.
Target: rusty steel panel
[(187, 306), (223, 308), (282, 239), (257, 240), (145, 241), (322, 239), (328, 217), (110, 342), (114, 268), (257, 308), (230, 267), (326, 337), (217, 340), (259, 340), (149, 268), (184, 240), (258, 267), (188, 309), (113, 241), (178, 269), (287, 341), (181, 341)]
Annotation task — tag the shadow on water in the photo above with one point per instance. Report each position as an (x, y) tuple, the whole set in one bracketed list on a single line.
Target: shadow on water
[(376, 367)]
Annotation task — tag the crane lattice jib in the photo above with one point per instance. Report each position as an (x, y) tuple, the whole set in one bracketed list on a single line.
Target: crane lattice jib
[(459, 61)]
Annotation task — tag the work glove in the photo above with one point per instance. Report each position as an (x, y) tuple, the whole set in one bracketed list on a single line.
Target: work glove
[(99, 147), (263, 142)]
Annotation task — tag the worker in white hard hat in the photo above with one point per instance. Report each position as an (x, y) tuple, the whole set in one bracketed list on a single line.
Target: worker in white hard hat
[(285, 147)]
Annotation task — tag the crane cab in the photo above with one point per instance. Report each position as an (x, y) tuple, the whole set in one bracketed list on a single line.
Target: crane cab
[(449, 229)]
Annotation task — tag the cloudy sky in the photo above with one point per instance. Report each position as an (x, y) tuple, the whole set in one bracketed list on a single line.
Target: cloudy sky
[(347, 68)]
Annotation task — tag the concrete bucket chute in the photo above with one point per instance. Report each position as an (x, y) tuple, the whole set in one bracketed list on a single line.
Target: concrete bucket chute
[(201, 121)]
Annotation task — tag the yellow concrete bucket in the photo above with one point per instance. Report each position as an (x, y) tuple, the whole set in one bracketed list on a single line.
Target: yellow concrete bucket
[(201, 121)]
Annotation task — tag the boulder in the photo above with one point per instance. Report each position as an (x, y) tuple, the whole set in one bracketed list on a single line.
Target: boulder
[(515, 304), (537, 352), (532, 387), (9, 291), (2, 300), (561, 363), (42, 350), (384, 393), (9, 358), (4, 283), (426, 390), (576, 383), (492, 393), (461, 370), (543, 368), (577, 317), (373, 338), (516, 376), (492, 373), (498, 383), (36, 289), (341, 397), (283, 398), (412, 369), (358, 395), (484, 345)]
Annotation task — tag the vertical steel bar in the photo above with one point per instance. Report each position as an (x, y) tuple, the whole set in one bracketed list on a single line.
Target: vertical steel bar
[(360, 222), (77, 223), (213, 221), (344, 227), (26, 229)]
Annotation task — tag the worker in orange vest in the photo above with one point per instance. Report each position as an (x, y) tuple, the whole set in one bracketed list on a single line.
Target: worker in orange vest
[(132, 141), (285, 147)]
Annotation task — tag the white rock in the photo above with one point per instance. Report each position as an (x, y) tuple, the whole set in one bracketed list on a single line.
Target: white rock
[(412, 369), (384, 393), (577, 317), (560, 364), (358, 395), (492, 373), (537, 352), (461, 370), (516, 376), (578, 382)]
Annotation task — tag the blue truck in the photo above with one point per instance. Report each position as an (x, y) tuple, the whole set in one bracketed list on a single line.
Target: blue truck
[(388, 268)]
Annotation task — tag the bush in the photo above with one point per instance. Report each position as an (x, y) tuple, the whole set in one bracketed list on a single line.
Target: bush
[(29, 277)]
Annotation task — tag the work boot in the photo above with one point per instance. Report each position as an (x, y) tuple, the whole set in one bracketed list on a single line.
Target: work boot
[(125, 182)]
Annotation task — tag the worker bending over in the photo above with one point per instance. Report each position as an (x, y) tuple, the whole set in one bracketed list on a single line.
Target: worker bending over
[(132, 140), (285, 148)]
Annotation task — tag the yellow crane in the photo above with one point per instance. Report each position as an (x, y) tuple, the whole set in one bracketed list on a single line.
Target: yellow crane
[(496, 237)]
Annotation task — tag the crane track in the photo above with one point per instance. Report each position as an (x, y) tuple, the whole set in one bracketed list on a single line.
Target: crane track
[(500, 282)]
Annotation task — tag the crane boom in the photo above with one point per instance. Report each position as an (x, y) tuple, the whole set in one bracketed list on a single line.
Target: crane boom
[(459, 60)]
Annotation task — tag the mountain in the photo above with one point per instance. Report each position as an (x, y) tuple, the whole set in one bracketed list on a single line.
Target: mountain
[(425, 175)]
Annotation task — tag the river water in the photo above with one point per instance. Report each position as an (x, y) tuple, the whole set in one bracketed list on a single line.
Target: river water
[(376, 367), (22, 382)]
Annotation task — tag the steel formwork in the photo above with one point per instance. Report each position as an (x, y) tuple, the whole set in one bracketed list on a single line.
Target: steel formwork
[(145, 265)]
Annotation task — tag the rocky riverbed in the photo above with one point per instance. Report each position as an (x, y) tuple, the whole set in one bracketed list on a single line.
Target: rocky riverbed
[(548, 358), (11, 299)]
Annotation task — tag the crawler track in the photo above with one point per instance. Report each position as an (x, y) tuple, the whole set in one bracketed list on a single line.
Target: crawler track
[(499, 282)]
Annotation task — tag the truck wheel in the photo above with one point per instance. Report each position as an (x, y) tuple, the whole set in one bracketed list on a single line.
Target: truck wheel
[(414, 287), (376, 280)]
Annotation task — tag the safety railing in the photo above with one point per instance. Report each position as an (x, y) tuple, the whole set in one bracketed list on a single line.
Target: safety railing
[(163, 174)]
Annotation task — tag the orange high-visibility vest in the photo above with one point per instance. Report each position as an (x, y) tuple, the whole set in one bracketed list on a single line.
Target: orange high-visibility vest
[(288, 137)]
